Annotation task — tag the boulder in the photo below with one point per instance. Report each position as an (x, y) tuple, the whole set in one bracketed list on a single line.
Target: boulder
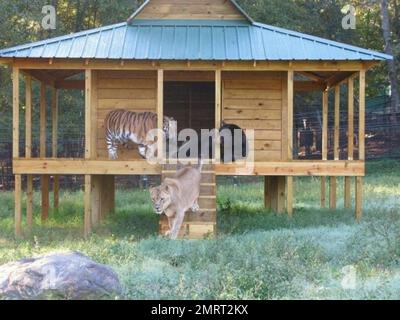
[(68, 275)]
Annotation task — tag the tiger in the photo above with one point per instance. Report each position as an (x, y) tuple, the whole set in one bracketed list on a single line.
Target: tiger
[(122, 126)]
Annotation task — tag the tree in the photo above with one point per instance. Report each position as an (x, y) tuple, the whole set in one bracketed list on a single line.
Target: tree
[(387, 35)]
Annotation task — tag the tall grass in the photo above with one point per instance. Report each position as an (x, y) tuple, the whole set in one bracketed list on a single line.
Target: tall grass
[(256, 255)]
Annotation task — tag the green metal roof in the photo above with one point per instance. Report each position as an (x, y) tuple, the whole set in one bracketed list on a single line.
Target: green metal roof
[(192, 40)]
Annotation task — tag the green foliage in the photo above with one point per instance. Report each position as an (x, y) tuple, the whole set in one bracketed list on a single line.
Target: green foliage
[(257, 254)]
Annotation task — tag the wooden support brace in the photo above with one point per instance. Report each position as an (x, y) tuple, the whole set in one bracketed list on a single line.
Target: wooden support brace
[(347, 192), (18, 210), (337, 125), (54, 108), (323, 192), (289, 196), (88, 206), (160, 111), (28, 149), (274, 193), (359, 193), (45, 181), (332, 193), (29, 201), (218, 112)]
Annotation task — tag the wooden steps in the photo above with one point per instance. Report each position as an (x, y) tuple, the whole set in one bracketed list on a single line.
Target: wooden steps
[(201, 224)]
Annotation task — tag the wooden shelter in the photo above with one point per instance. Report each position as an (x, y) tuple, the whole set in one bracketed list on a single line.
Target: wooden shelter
[(202, 61)]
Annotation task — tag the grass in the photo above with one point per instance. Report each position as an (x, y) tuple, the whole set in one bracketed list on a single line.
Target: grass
[(257, 254)]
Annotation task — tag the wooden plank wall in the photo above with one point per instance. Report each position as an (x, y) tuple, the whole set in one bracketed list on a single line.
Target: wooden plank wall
[(191, 9), (130, 90), (254, 100)]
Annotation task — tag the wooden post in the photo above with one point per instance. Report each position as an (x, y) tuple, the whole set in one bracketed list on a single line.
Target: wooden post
[(274, 197), (88, 206), (332, 193), (218, 112), (88, 151), (108, 196), (55, 144), (28, 149), (336, 149), (17, 187), (44, 178), (325, 102), (359, 191), (361, 138), (160, 111), (290, 113), (18, 210), (350, 142), (323, 192), (337, 124)]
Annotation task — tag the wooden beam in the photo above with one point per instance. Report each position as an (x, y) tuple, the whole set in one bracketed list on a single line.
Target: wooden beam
[(325, 102), (45, 182), (28, 149), (332, 193), (88, 205), (312, 76), (42, 151), (28, 117), (274, 193), (323, 192), (70, 84), (350, 142), (88, 114), (308, 86), (218, 112), (140, 167), (359, 194), (83, 64), (338, 79), (160, 110), (15, 79), (347, 192), (361, 137), (43, 120), (350, 117), (290, 117), (17, 206), (336, 144), (42, 76), (54, 114), (289, 196)]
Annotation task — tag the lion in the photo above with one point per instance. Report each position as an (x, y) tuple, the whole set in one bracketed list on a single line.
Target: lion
[(176, 196)]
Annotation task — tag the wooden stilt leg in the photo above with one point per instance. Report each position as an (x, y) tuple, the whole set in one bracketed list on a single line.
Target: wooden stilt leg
[(88, 206), (18, 213), (29, 201), (45, 197), (275, 193), (323, 192), (332, 193), (347, 192), (267, 193), (359, 191), (289, 196), (56, 192), (108, 196)]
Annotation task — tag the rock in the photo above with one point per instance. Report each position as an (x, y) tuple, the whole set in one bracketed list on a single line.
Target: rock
[(68, 275)]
